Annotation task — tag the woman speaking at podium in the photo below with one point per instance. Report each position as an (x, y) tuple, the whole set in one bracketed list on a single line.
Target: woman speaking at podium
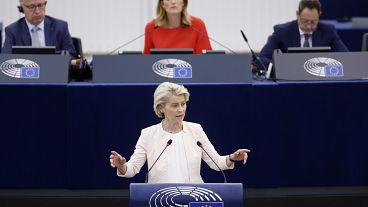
[(173, 148), (175, 28)]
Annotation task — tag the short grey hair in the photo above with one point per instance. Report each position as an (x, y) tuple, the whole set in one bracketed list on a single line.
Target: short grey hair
[(163, 93)]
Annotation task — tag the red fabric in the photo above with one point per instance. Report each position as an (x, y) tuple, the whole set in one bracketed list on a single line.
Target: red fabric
[(195, 37)]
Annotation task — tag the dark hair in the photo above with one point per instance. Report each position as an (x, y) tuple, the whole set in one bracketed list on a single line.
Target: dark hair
[(310, 4)]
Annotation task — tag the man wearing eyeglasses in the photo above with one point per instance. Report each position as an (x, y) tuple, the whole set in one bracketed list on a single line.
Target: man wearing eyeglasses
[(306, 31), (37, 29)]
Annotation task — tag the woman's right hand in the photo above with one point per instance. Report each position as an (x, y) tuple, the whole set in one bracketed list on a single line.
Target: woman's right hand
[(116, 160)]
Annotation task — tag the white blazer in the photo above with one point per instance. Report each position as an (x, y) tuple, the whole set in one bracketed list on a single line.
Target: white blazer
[(151, 143)]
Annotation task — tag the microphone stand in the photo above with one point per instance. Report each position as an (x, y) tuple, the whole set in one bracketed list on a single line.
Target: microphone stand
[(255, 57), (222, 45), (168, 143), (201, 146), (127, 43)]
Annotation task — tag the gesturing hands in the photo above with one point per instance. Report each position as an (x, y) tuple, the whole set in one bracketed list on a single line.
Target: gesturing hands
[(116, 160), (240, 154)]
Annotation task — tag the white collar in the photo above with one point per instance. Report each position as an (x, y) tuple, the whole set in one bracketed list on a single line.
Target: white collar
[(303, 33), (30, 26)]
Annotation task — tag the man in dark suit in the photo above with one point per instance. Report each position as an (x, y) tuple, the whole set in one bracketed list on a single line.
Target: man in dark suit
[(37, 29), (306, 31)]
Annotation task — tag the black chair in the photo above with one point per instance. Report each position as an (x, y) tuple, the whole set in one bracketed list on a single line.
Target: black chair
[(1, 36), (76, 73), (365, 42), (77, 42)]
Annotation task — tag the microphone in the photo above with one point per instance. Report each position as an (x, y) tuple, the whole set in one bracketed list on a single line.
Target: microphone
[(201, 146), (129, 42), (222, 45), (167, 144), (255, 56)]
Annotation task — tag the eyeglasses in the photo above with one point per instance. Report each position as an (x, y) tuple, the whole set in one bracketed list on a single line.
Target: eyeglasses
[(307, 21), (33, 7)]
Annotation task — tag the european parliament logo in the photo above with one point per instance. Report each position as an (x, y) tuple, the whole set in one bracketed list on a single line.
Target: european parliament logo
[(333, 71), (182, 72), (173, 68), (324, 67), (30, 72), (185, 196), (20, 68)]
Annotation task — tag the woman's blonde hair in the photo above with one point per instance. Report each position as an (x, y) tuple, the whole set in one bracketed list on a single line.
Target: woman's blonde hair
[(162, 19), (163, 93)]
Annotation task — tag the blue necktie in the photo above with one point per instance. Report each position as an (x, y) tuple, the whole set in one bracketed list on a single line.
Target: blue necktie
[(306, 40), (35, 38)]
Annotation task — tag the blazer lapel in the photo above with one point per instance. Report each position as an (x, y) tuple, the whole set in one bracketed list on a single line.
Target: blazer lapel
[(296, 34), (190, 146), (317, 38), (26, 36), (49, 31)]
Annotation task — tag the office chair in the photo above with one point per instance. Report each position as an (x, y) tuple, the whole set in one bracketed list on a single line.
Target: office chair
[(76, 73), (1, 36), (365, 42), (77, 43)]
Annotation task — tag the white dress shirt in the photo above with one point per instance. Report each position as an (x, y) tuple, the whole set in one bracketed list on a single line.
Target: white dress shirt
[(41, 31), (177, 160)]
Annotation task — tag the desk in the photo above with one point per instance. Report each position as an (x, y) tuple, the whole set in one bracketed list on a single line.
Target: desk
[(300, 133)]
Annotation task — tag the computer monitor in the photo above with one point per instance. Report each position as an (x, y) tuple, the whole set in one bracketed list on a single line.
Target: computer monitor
[(33, 50), (216, 52), (171, 51), (130, 52), (308, 49)]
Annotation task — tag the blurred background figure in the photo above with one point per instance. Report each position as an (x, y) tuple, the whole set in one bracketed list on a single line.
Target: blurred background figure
[(305, 31), (175, 28), (37, 29)]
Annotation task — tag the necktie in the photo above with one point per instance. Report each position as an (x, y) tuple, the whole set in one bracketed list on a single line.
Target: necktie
[(306, 40), (35, 38)]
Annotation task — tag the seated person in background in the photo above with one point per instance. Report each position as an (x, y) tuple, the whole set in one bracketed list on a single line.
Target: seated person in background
[(36, 29), (181, 161), (306, 31), (175, 28)]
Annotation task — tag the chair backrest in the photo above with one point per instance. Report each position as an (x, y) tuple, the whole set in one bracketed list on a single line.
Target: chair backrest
[(365, 42), (77, 42), (1, 35)]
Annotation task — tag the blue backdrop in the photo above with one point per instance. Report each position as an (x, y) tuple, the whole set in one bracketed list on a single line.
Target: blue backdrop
[(338, 9), (300, 134)]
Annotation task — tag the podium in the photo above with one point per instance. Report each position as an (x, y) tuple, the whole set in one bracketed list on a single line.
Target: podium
[(211, 68), (34, 68), (191, 195), (321, 66)]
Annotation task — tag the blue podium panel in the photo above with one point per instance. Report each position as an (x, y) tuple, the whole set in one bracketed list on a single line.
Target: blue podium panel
[(33, 145), (300, 133), (34, 68), (321, 66), (191, 195), (174, 68)]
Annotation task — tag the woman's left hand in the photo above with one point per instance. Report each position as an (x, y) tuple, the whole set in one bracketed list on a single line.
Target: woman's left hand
[(240, 154)]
